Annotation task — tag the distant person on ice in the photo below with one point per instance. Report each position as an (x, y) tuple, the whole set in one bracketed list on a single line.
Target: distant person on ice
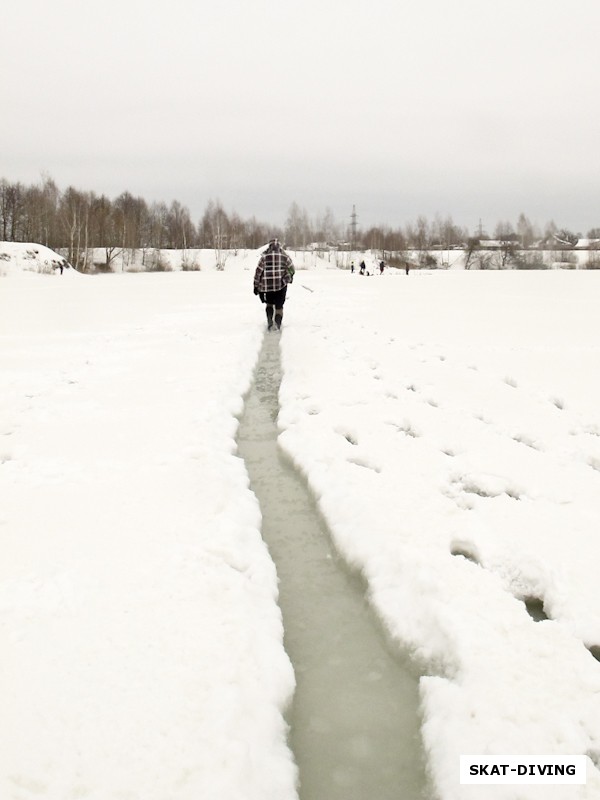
[(273, 274)]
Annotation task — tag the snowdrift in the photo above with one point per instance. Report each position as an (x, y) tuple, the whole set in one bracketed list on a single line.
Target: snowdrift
[(18, 257)]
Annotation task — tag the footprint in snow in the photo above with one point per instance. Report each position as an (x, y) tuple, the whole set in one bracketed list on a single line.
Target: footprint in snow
[(535, 608), (528, 441), (361, 462), (465, 549), (406, 428), (595, 651)]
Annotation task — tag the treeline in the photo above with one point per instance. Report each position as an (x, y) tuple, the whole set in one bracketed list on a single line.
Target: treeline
[(75, 222)]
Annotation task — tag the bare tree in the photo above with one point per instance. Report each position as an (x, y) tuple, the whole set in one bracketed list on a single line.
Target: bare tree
[(237, 230), (72, 215), (507, 253), (12, 211), (507, 244), (254, 235), (214, 231), (181, 233), (593, 261), (549, 231), (326, 230), (504, 232), (472, 248), (297, 227), (525, 232)]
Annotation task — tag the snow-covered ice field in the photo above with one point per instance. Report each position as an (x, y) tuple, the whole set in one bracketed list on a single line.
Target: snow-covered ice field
[(142, 653), (448, 424)]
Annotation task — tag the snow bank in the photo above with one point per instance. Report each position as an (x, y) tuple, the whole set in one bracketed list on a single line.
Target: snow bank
[(16, 257), (448, 425)]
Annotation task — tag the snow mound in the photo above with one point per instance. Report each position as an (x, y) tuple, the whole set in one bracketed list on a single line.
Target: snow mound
[(17, 257)]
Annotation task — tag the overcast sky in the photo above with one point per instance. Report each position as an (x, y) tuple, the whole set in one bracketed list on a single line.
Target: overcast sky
[(474, 109)]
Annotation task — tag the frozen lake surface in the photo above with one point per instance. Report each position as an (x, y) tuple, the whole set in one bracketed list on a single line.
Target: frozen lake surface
[(447, 427)]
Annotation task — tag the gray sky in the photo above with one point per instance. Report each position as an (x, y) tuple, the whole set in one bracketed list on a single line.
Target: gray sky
[(402, 107)]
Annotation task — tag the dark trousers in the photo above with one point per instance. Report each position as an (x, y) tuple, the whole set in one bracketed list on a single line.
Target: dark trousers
[(277, 298)]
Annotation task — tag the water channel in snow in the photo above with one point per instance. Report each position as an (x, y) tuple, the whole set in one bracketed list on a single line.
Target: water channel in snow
[(354, 721)]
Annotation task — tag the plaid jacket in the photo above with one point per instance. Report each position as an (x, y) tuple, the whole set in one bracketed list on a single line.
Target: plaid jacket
[(274, 271)]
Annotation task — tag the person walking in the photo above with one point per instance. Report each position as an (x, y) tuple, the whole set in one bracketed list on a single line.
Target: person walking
[(273, 274)]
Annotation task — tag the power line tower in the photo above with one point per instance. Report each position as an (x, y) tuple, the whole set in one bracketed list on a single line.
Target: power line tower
[(353, 223)]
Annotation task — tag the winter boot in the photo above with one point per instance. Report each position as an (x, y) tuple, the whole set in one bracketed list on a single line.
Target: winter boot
[(269, 310), (278, 319)]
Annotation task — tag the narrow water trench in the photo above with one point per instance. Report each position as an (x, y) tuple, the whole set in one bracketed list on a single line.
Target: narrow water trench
[(354, 724)]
